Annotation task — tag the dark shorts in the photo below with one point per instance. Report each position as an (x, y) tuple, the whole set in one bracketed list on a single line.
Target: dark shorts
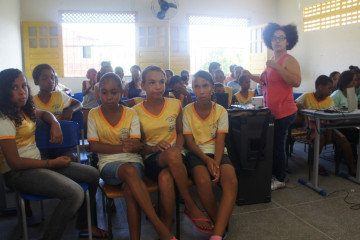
[(152, 167), (192, 161)]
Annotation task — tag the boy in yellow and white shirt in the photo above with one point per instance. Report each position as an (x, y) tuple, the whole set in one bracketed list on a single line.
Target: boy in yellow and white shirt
[(219, 77), (320, 100), (58, 101), (100, 130), (244, 95), (49, 100)]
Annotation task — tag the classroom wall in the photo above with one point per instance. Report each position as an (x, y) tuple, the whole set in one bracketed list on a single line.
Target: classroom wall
[(258, 11), (10, 40), (321, 51)]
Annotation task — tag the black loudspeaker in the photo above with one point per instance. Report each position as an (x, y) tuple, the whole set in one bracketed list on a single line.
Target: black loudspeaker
[(250, 148)]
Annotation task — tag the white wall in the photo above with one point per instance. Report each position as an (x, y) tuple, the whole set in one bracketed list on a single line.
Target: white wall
[(10, 40), (258, 11), (321, 51)]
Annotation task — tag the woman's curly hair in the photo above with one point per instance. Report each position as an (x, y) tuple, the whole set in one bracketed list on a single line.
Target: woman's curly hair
[(9, 109), (290, 31)]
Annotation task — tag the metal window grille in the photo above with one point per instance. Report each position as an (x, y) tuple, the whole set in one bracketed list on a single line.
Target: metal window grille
[(96, 17), (330, 14)]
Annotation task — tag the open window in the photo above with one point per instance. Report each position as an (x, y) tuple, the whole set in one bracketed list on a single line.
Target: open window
[(220, 39)]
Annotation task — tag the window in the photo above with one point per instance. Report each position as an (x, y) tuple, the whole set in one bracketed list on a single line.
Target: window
[(224, 40), (90, 38), (330, 14)]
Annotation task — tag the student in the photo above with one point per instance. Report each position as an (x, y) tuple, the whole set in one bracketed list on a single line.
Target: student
[(88, 92), (105, 68), (185, 75), (205, 125), (334, 77), (231, 77), (161, 132), (219, 77), (20, 161), (169, 74), (235, 83), (177, 84), (114, 133), (347, 79), (213, 66), (133, 88), (244, 95), (219, 88), (49, 100), (356, 71), (120, 72), (320, 100)]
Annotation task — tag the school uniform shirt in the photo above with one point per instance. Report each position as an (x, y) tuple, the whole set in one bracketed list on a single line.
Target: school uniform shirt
[(339, 99), (100, 130), (138, 100), (156, 128), (24, 136), (243, 100), (205, 130), (230, 92), (58, 101), (308, 100)]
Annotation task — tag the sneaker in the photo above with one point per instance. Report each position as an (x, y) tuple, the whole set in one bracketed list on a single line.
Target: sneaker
[(276, 184)]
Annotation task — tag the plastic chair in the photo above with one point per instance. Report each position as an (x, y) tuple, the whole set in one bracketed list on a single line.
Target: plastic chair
[(71, 135), (79, 118), (24, 196), (193, 96), (296, 95), (78, 96)]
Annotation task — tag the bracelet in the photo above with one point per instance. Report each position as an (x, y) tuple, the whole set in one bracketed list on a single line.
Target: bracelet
[(47, 163)]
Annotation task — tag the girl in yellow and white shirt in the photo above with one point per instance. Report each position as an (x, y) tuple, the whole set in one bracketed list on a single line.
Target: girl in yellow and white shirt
[(114, 133), (205, 125), (161, 132), (20, 161)]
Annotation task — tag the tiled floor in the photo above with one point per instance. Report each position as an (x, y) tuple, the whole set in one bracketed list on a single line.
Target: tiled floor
[(296, 212)]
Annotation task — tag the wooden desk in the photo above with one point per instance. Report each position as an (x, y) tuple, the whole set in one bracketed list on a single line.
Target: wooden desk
[(332, 120)]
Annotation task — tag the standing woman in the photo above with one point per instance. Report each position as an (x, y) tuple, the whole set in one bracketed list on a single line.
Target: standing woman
[(282, 73)]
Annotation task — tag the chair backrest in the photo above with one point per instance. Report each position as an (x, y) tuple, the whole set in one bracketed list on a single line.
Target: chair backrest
[(78, 96), (70, 132), (79, 118)]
